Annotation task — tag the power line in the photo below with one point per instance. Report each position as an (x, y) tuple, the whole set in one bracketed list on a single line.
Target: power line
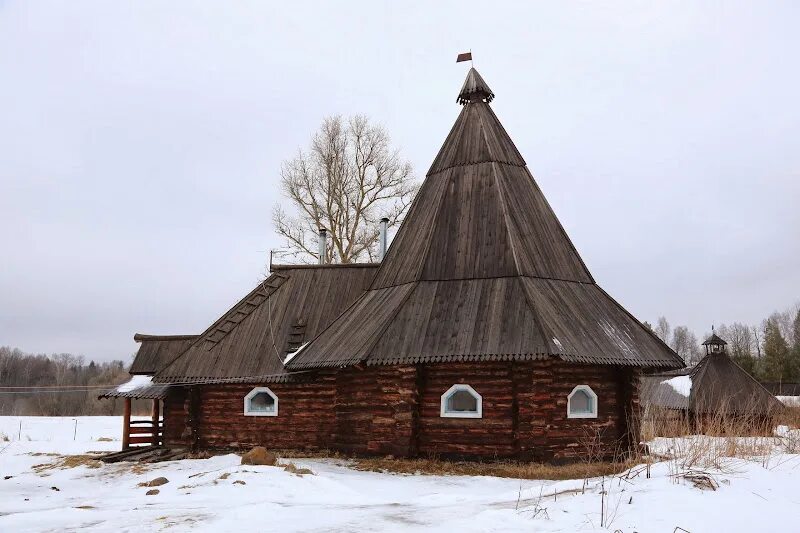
[(51, 391), (2, 387)]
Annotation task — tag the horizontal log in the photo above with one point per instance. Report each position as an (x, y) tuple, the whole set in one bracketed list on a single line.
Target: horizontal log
[(142, 431), (141, 440)]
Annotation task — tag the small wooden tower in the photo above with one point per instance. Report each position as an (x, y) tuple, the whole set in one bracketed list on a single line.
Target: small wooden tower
[(714, 390), (714, 344)]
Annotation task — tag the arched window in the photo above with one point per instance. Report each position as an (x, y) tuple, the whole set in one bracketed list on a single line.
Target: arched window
[(582, 403), (261, 402), (461, 401)]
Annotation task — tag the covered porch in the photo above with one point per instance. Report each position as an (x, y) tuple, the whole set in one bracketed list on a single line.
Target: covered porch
[(141, 431)]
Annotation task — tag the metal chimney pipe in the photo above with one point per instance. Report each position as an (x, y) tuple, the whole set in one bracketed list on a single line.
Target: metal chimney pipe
[(382, 239), (322, 246)]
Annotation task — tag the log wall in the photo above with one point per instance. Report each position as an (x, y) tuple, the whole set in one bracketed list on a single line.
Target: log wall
[(304, 420), (394, 410)]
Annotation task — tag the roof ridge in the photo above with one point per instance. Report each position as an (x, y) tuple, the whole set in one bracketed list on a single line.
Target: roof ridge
[(141, 337), (326, 265)]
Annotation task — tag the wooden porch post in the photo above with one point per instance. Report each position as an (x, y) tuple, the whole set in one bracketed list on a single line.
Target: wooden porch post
[(154, 419), (126, 425)]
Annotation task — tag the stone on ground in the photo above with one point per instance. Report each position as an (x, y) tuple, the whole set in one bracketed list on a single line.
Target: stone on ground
[(259, 456)]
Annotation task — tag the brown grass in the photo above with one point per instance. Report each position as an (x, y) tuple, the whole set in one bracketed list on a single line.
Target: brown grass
[(68, 461), (713, 440), (505, 469), (435, 466), (293, 469), (789, 417)]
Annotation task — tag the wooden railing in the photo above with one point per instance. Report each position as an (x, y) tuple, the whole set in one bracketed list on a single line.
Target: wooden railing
[(145, 432), (148, 432)]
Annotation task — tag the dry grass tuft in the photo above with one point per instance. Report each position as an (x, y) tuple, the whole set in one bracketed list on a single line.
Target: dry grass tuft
[(790, 417), (505, 469), (68, 461), (308, 454), (294, 469)]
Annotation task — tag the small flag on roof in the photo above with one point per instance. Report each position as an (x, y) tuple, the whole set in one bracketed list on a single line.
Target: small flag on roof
[(467, 56)]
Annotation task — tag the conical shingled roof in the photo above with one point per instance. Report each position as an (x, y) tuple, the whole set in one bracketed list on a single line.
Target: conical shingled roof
[(718, 386), (480, 269), (474, 88)]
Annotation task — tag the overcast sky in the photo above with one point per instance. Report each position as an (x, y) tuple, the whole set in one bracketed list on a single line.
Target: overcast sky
[(140, 145)]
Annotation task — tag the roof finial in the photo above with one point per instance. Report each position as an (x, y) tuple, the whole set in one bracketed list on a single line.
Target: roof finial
[(475, 89)]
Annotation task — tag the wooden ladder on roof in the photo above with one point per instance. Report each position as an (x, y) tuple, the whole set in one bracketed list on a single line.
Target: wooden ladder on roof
[(297, 334), (242, 310)]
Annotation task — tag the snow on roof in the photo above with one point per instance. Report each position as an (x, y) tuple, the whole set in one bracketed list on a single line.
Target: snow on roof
[(680, 384), (297, 351), (139, 386), (136, 382)]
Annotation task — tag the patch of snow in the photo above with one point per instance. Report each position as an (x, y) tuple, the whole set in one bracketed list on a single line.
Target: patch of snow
[(558, 343), (791, 401), (294, 353), (681, 384), (136, 382), (203, 494)]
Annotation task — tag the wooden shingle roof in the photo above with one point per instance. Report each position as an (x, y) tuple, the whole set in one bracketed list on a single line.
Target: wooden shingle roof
[(285, 311), (481, 269), (474, 88), (155, 351), (718, 386)]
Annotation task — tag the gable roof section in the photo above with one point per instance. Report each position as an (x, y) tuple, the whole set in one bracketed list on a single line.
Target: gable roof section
[(481, 269), (281, 314), (156, 351)]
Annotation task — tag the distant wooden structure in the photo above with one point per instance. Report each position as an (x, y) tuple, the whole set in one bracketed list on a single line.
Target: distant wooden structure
[(714, 389)]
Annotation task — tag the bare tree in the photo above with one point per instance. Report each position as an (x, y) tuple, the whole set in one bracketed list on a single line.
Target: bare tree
[(348, 180), (757, 342), (685, 344), (663, 329), (739, 338)]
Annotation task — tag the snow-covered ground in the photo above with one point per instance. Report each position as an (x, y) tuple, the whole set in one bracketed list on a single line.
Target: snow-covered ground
[(41, 494)]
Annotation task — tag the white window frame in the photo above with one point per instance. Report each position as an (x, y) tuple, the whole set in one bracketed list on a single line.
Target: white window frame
[(444, 413), (588, 390), (251, 394)]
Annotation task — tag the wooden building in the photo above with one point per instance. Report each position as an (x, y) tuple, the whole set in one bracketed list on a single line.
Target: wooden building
[(481, 334), (714, 392)]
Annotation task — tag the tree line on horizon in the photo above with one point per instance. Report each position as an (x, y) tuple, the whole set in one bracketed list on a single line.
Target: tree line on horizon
[(769, 351), (27, 382)]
